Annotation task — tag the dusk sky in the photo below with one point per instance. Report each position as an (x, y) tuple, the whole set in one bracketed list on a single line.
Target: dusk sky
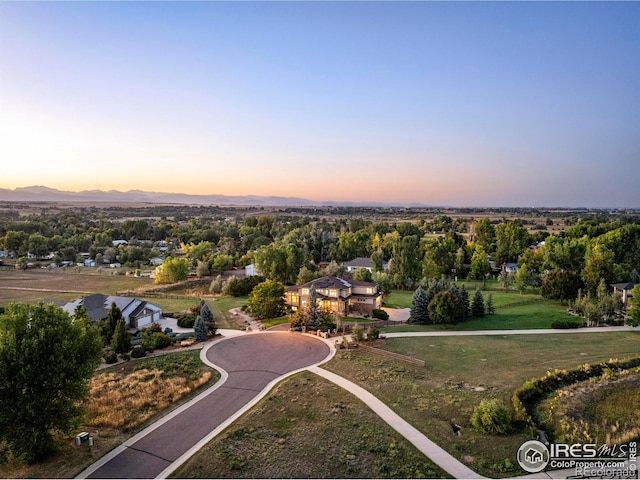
[(440, 103)]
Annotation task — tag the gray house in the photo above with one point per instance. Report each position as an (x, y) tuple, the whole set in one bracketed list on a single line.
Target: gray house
[(136, 313)]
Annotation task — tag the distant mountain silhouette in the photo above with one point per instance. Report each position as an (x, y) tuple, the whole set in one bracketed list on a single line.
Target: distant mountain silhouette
[(39, 193)]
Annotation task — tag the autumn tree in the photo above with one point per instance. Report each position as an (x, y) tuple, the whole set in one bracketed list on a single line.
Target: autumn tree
[(172, 270)]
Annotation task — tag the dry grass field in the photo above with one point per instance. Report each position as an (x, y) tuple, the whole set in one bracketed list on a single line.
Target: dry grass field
[(36, 285), (124, 399)]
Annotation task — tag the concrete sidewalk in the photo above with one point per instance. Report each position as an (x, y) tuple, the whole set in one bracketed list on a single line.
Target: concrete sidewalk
[(438, 455), (545, 331)]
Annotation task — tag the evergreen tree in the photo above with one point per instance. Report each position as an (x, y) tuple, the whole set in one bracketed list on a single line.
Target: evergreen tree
[(477, 306), (466, 307), (120, 342), (491, 309), (109, 325), (444, 308), (207, 316), (419, 307), (200, 330), (313, 319)]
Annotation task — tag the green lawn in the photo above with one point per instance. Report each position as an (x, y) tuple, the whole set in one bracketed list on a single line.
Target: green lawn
[(461, 371), (499, 296), (220, 307), (528, 316)]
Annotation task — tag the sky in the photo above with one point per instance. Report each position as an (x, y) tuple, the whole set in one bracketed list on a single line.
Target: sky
[(531, 104)]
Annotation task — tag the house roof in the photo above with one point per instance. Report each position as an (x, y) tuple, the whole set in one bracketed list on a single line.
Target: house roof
[(359, 262), (623, 286), (327, 282), (98, 305)]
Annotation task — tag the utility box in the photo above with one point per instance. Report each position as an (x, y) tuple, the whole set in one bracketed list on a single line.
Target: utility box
[(84, 437)]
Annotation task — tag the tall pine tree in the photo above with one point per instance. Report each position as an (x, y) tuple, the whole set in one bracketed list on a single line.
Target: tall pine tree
[(420, 307), (200, 330), (120, 342), (477, 305)]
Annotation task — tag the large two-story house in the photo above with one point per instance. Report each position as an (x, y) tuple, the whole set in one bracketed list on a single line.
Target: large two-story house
[(337, 295)]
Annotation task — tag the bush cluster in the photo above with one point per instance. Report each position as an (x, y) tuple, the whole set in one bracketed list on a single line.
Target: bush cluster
[(493, 417), (380, 314), (186, 320), (532, 392), (567, 324), (110, 357), (137, 352)]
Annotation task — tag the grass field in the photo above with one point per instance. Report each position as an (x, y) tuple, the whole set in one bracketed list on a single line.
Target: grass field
[(461, 371), (308, 427), (36, 285), (528, 316), (499, 296), (175, 378), (220, 307)]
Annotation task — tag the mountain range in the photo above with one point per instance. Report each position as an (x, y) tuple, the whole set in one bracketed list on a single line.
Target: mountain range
[(39, 193)]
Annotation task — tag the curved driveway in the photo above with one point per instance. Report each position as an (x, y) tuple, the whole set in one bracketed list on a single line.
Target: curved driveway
[(252, 362)]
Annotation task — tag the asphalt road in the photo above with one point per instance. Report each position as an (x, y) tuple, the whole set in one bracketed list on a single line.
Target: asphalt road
[(252, 362)]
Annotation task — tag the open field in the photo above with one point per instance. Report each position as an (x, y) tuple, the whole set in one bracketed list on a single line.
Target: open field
[(37, 285), (499, 296), (529, 316), (182, 368), (309, 428), (461, 371), (220, 307)]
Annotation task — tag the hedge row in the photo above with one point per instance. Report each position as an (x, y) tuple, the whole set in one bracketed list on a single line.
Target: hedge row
[(567, 324), (526, 398)]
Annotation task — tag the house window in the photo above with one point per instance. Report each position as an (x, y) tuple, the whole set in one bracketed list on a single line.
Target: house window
[(370, 290), (305, 291), (333, 293)]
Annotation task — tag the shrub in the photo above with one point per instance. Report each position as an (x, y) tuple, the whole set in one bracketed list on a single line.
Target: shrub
[(357, 333), (137, 352), (126, 357), (373, 333), (184, 336), (493, 417), (380, 314), (110, 357), (186, 320), (566, 324), (152, 340)]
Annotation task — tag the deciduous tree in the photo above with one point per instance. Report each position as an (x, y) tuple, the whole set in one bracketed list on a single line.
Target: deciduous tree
[(46, 361), (267, 300)]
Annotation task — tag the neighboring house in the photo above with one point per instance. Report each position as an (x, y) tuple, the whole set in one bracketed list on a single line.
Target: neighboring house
[(89, 263), (356, 263), (136, 313), (155, 261), (337, 295), (362, 262), (115, 265), (250, 270), (510, 268), (625, 290), (117, 243)]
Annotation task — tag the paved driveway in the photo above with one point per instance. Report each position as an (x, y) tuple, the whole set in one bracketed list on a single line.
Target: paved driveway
[(252, 361)]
